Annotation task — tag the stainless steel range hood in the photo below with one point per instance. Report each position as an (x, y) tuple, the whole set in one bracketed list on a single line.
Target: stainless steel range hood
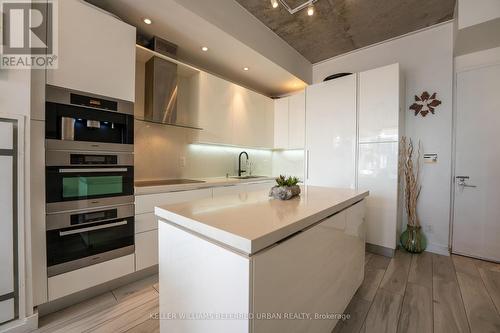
[(162, 89)]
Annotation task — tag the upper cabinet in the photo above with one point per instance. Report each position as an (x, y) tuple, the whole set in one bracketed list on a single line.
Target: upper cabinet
[(379, 104), (289, 122), (233, 115), (96, 52), (214, 110), (281, 106)]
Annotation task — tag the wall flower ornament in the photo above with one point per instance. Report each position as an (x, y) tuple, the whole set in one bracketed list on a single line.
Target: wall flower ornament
[(425, 104)]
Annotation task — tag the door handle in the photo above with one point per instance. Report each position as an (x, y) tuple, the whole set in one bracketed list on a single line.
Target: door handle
[(99, 227), (462, 181), (92, 170)]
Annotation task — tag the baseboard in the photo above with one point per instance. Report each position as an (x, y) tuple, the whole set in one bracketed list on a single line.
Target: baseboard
[(380, 250), (25, 325), (64, 302), (438, 249)]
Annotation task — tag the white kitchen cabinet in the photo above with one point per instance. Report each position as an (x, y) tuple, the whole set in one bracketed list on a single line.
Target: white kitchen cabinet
[(331, 133), (71, 282), (233, 115), (281, 121), (378, 173), (242, 188), (215, 109), (297, 121), (146, 203), (252, 119), (379, 103), (146, 249), (96, 52), (289, 122), (146, 223)]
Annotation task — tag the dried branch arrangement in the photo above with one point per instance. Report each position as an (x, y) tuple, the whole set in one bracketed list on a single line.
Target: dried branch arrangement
[(409, 170)]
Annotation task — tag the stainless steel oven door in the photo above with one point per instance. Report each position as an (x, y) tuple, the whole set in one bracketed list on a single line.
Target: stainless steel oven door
[(82, 238), (69, 188)]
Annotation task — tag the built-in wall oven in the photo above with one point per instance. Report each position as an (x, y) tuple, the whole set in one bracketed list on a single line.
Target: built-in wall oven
[(76, 180), (81, 238), (89, 179)]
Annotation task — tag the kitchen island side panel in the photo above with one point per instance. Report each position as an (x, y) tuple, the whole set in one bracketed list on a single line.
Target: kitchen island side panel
[(316, 272), (199, 278)]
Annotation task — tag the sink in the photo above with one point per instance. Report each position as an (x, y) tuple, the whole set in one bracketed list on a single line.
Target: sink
[(247, 177)]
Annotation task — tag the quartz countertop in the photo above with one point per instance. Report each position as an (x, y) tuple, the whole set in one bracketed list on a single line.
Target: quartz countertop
[(152, 188), (251, 221)]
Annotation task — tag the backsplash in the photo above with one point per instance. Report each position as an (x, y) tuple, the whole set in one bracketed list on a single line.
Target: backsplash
[(163, 152)]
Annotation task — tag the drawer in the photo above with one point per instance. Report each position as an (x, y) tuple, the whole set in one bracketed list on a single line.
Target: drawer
[(241, 188), (145, 222), (146, 203), (90, 276), (146, 249)]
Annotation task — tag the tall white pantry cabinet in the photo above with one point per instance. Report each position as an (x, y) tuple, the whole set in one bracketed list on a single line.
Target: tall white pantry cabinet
[(353, 127)]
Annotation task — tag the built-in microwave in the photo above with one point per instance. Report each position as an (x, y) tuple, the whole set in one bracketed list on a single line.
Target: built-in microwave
[(81, 121), (81, 238), (79, 180)]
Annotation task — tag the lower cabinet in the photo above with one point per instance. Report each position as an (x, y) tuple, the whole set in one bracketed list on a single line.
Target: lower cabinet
[(90, 276), (146, 249), (242, 188)]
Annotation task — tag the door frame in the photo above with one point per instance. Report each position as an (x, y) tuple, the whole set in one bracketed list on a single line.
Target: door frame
[(462, 64)]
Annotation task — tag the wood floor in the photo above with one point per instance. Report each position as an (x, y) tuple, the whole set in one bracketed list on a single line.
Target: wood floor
[(408, 293)]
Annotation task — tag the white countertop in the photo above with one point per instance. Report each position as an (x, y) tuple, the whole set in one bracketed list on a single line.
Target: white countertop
[(207, 183), (249, 222)]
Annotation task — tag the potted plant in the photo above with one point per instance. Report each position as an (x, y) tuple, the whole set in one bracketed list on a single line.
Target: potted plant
[(412, 239), (285, 188)]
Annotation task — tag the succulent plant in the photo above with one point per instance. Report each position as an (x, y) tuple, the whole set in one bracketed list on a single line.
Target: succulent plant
[(284, 181)]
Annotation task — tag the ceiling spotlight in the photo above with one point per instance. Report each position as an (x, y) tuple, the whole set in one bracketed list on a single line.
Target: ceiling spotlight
[(310, 10), (274, 3), (147, 21), (204, 49), (246, 68)]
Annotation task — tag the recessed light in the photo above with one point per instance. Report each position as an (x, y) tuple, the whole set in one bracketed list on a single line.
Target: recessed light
[(274, 3), (147, 20), (310, 10), (204, 49), (246, 68)]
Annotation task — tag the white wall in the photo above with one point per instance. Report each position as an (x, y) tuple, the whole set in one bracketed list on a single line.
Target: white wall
[(426, 60), (472, 12)]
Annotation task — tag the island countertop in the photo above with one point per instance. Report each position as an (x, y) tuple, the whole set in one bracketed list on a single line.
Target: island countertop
[(251, 221)]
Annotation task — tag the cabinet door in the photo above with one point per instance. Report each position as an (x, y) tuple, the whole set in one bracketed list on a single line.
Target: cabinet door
[(281, 123), (146, 249), (297, 121), (215, 109), (147, 203), (379, 104), (378, 173), (252, 119), (331, 133), (242, 188), (96, 52)]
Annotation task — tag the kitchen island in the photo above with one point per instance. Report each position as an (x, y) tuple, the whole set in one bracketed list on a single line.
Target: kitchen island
[(248, 263)]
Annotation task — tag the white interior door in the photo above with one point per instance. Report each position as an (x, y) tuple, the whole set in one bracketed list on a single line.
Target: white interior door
[(331, 133), (476, 219)]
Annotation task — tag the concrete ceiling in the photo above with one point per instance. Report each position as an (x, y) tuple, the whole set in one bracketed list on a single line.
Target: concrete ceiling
[(340, 26), (273, 71)]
